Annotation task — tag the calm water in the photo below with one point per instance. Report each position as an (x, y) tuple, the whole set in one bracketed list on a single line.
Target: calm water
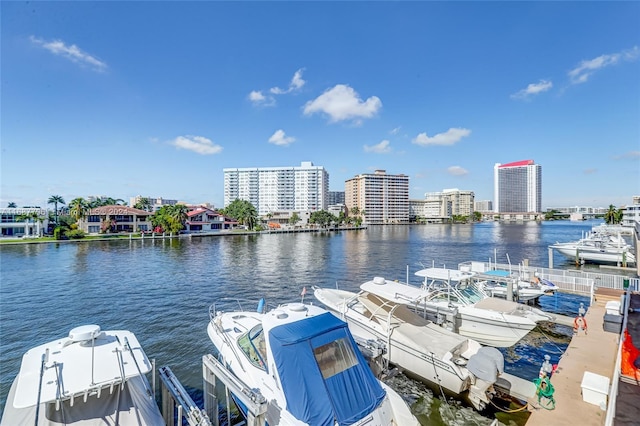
[(161, 290)]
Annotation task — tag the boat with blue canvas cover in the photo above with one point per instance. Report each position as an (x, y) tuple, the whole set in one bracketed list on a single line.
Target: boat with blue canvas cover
[(304, 361)]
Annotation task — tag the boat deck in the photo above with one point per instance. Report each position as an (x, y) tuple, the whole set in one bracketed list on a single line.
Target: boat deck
[(594, 351)]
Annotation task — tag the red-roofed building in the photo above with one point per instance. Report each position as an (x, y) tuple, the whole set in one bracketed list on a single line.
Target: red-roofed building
[(518, 164), (202, 219), (518, 187)]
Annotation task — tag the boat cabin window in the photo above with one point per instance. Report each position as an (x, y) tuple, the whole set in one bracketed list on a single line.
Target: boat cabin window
[(254, 346), (335, 357)]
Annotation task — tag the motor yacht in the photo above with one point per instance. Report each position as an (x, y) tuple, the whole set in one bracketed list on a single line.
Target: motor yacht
[(598, 247), (451, 299), (91, 377), (304, 361), (459, 365)]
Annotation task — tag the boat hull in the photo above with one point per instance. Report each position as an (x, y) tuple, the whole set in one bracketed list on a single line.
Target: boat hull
[(596, 255)]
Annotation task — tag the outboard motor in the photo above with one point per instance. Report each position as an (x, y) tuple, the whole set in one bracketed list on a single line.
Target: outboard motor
[(486, 365)]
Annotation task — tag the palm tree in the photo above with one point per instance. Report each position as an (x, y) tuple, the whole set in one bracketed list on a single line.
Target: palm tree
[(12, 205), (55, 200), (177, 217), (78, 208), (355, 212), (610, 215), (143, 204), (619, 215)]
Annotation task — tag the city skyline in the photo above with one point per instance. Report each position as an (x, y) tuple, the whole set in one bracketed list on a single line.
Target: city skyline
[(128, 99)]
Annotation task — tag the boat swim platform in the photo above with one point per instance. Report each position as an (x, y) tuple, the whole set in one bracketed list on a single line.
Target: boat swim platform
[(594, 351)]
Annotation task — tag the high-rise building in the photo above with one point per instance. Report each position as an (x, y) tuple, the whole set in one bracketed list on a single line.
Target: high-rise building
[(484, 206), (278, 189), (518, 187), (383, 198), (336, 197), (462, 202)]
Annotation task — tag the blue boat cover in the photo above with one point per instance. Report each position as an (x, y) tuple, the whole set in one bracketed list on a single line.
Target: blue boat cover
[(344, 397), (498, 273)]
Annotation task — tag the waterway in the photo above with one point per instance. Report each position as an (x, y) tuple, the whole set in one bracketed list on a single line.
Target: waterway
[(162, 289)]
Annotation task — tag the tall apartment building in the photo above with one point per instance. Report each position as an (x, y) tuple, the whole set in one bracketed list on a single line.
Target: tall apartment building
[(462, 202), (518, 187), (384, 198), (278, 189), (484, 206), (336, 197)]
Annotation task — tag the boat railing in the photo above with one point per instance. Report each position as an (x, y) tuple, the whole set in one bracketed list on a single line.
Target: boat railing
[(225, 304), (573, 281)]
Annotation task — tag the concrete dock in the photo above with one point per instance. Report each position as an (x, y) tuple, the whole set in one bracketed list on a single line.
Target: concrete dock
[(592, 351)]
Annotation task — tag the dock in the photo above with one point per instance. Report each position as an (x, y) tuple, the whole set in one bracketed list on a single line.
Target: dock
[(593, 350)]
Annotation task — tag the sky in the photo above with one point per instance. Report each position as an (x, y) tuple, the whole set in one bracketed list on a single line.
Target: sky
[(120, 99)]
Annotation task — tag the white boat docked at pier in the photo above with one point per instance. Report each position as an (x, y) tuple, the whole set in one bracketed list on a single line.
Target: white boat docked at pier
[(598, 246), (304, 361), (92, 377), (451, 299), (436, 355), (495, 283)]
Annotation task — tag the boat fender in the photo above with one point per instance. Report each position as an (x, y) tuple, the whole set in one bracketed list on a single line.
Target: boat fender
[(579, 323)]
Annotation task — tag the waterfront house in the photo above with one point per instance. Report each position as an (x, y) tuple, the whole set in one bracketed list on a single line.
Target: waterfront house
[(23, 221), (115, 218), (202, 219)]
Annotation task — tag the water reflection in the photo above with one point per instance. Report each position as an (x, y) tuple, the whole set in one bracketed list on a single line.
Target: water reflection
[(161, 289)]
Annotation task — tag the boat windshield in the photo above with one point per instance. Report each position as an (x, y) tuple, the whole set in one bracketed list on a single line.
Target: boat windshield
[(254, 346), (335, 357), (470, 292)]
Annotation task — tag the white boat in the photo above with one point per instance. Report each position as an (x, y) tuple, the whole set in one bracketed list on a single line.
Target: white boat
[(449, 298), (305, 363), (91, 377), (434, 354), (495, 284), (598, 247)]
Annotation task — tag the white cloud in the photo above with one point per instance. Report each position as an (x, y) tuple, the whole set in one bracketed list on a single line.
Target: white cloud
[(450, 137), (296, 84), (380, 148), (631, 155), (395, 131), (279, 138), (257, 98), (533, 89), (72, 53), (341, 102), (582, 72), (457, 171), (197, 144)]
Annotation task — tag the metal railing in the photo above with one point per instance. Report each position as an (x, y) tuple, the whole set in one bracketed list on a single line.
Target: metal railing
[(573, 281)]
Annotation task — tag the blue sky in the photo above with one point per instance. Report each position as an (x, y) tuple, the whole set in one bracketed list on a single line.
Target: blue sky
[(155, 98)]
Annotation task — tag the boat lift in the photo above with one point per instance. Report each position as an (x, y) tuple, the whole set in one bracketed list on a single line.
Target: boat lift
[(255, 403), (173, 393)]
